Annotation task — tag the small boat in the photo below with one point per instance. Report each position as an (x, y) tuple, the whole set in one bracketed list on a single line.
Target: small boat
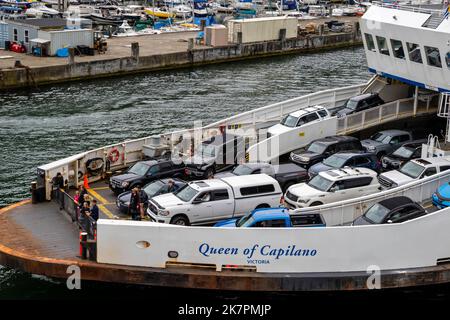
[(125, 30), (156, 12), (38, 10), (103, 16), (181, 10)]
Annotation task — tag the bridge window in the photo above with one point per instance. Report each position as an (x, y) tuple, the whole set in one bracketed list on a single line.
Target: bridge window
[(414, 52), (382, 45), (433, 57), (397, 49), (447, 59), (369, 41)]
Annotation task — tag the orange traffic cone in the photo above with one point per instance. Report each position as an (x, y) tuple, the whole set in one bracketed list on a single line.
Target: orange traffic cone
[(86, 182)]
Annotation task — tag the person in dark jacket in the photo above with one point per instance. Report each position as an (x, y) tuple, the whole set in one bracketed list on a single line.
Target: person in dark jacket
[(85, 214), (135, 206), (94, 210), (172, 187), (58, 184), (143, 202)]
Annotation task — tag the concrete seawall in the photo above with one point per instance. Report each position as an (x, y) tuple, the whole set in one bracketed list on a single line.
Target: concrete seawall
[(22, 77)]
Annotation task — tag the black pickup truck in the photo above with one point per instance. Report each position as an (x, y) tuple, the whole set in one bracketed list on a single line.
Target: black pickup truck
[(322, 148), (286, 174), (216, 153), (143, 172)]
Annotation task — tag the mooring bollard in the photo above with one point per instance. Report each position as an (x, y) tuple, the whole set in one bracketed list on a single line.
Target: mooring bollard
[(71, 55), (83, 245), (34, 195), (135, 50)]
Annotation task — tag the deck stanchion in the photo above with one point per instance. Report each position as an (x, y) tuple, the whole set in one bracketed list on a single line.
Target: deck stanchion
[(83, 247), (34, 195)]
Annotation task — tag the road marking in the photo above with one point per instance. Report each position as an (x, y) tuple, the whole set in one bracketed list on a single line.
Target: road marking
[(100, 188), (106, 211), (97, 196)]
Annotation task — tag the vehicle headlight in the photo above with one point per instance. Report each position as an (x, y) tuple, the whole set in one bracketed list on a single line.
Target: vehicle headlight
[(162, 212), (303, 200), (371, 148), (394, 185), (125, 184)]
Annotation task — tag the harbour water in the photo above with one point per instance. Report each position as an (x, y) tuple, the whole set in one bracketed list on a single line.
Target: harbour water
[(49, 123)]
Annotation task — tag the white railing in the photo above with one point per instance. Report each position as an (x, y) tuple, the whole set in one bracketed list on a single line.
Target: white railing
[(409, 8), (344, 212), (130, 151), (390, 111)]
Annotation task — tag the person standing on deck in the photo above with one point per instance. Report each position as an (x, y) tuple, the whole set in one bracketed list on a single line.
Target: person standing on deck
[(135, 207), (58, 184), (85, 215), (143, 202), (94, 210)]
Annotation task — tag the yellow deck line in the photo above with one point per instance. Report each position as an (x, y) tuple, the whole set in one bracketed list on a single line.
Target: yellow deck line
[(97, 196), (100, 188), (106, 211)]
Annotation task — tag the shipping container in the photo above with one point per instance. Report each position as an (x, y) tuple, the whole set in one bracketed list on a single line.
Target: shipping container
[(261, 29), (3, 34), (67, 39)]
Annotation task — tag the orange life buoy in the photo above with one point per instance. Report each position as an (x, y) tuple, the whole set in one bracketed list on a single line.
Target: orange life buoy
[(114, 155)]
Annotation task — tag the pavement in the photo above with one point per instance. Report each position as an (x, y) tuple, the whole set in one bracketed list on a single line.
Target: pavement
[(120, 47)]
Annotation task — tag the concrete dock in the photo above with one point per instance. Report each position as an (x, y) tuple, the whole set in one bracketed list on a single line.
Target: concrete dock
[(158, 52)]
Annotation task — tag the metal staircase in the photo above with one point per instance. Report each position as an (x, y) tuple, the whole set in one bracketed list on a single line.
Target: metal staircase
[(444, 111), (434, 21)]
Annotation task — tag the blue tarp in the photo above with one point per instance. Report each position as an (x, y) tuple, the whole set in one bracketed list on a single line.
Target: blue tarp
[(63, 52)]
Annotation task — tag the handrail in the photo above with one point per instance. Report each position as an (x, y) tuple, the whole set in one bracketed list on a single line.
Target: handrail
[(345, 211), (408, 8)]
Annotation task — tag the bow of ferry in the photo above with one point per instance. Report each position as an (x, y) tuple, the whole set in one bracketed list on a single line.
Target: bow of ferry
[(407, 49)]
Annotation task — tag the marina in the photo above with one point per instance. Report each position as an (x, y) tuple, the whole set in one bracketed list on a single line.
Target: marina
[(190, 238)]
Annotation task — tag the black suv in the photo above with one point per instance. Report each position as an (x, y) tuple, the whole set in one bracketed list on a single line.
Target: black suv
[(406, 152), (143, 172), (218, 152), (360, 103), (392, 210), (323, 148), (286, 174)]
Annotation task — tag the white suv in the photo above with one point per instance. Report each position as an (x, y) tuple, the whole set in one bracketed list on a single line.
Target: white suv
[(298, 119), (413, 170), (332, 186)]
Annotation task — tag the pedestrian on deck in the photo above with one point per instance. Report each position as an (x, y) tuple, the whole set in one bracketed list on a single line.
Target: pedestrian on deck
[(94, 210), (135, 207), (85, 217), (76, 198), (143, 202), (58, 184), (83, 191)]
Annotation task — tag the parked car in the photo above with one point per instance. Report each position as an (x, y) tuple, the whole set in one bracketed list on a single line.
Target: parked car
[(406, 152), (352, 159), (441, 198), (208, 201), (323, 148), (386, 141), (213, 154), (286, 174), (360, 103), (413, 170), (273, 218), (143, 172), (298, 119), (392, 210), (332, 186), (154, 188)]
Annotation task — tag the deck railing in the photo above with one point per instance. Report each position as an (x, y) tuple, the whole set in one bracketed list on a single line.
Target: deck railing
[(409, 8), (344, 212)]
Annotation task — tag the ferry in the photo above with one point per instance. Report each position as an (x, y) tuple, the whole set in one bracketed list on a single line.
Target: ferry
[(407, 51)]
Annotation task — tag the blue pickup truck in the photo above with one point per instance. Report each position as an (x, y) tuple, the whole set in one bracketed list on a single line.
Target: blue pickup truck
[(273, 218)]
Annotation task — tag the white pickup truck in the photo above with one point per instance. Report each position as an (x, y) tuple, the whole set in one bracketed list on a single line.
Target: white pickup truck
[(208, 201)]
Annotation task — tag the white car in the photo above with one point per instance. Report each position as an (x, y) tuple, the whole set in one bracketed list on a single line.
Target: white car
[(298, 119), (208, 201), (332, 186), (413, 170)]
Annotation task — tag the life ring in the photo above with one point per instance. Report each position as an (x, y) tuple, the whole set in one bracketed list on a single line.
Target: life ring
[(114, 155)]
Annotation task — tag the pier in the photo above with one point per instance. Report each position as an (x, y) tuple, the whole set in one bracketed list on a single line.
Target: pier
[(161, 52)]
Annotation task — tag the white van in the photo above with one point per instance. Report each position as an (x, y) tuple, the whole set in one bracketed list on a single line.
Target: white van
[(208, 201)]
